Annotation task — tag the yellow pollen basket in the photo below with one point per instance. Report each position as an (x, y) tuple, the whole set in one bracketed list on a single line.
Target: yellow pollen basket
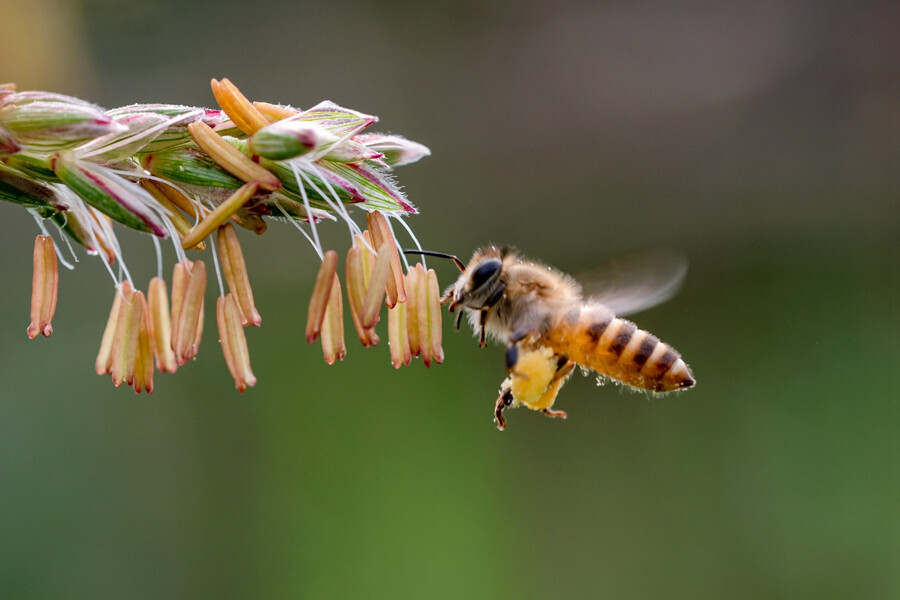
[(533, 381)]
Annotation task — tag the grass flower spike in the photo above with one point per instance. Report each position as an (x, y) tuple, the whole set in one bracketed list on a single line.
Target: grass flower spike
[(183, 173)]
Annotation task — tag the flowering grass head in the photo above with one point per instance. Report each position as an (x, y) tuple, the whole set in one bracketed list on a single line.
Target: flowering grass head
[(182, 174)]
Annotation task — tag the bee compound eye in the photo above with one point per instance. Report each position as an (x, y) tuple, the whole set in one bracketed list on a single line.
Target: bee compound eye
[(485, 272)]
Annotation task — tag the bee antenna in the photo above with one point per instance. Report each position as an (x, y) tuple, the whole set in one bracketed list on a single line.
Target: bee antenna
[(456, 260)]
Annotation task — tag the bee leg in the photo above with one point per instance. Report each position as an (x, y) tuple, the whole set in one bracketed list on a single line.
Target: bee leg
[(505, 399), (512, 356), (556, 414), (459, 316), (483, 323), (512, 348), (563, 367)]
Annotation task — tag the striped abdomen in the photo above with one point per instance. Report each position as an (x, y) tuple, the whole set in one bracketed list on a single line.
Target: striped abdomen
[(617, 348)]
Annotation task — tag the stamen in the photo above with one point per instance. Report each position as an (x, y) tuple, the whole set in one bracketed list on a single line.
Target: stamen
[(230, 158), (398, 336), (435, 333), (125, 339), (104, 356), (234, 342), (381, 233), (412, 310), (375, 292), (319, 302), (241, 111), (161, 325), (236, 274), (44, 287), (210, 222), (333, 347)]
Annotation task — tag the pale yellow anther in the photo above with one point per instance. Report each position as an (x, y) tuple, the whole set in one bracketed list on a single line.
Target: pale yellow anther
[(180, 200), (239, 109), (412, 311), (235, 270), (234, 342), (435, 333), (44, 287), (143, 368), (218, 216), (185, 337), (250, 222), (181, 224), (125, 340), (423, 322), (381, 233), (356, 289), (104, 356), (161, 326), (398, 338), (333, 347), (275, 112), (374, 296), (318, 303), (230, 158), (181, 276)]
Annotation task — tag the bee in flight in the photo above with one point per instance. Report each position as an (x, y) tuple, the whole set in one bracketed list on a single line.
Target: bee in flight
[(549, 324)]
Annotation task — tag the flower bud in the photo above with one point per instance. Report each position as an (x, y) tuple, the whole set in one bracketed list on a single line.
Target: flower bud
[(44, 284), (28, 192), (318, 303), (8, 144), (189, 166), (397, 150), (234, 343), (53, 121), (287, 139), (110, 193), (342, 122), (235, 271)]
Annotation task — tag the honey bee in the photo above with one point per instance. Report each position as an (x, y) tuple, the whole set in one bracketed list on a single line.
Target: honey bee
[(549, 326)]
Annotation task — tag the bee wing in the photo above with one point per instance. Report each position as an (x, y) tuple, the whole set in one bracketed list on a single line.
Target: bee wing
[(637, 281)]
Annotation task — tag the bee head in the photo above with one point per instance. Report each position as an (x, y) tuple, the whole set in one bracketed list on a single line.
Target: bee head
[(481, 284)]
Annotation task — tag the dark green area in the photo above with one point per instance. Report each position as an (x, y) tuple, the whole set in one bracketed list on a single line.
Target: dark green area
[(759, 140)]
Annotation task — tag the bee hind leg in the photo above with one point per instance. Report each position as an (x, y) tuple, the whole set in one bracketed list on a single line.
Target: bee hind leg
[(563, 368), (505, 399)]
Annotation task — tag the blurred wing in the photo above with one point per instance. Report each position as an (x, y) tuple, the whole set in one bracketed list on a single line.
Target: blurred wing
[(637, 281)]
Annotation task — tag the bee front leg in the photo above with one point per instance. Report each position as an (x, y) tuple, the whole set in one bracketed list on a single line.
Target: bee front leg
[(483, 324)]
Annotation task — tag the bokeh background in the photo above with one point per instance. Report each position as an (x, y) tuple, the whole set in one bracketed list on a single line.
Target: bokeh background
[(761, 138)]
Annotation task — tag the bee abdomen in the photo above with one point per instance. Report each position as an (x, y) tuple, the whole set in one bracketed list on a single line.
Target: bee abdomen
[(617, 348)]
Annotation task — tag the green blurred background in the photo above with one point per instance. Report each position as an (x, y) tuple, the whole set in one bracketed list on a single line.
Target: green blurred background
[(761, 138)]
